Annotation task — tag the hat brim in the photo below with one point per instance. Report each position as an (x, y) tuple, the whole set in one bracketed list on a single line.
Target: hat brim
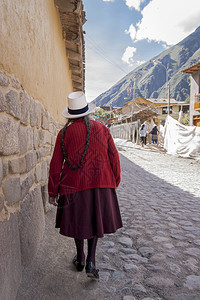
[(91, 109)]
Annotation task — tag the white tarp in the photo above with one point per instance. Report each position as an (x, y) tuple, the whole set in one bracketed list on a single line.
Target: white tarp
[(180, 139)]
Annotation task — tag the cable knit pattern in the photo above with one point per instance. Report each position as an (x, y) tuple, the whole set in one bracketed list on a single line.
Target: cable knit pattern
[(101, 165)]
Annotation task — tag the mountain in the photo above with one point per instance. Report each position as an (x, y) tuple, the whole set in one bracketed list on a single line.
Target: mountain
[(151, 78)]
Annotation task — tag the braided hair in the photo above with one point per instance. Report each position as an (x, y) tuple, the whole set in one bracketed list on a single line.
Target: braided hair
[(87, 122)]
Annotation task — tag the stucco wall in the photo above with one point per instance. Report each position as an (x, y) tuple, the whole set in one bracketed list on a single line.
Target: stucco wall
[(32, 48), (174, 114), (194, 89)]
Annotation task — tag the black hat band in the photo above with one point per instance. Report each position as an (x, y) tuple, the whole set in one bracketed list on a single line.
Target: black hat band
[(78, 111)]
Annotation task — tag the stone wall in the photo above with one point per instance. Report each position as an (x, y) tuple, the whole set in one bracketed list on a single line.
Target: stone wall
[(27, 138)]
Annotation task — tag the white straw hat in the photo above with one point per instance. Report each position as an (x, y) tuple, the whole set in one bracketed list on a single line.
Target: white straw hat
[(77, 106)]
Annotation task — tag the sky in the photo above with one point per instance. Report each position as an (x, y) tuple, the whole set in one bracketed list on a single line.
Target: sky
[(120, 35)]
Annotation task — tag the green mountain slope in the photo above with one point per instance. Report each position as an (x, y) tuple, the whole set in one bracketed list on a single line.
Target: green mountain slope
[(151, 78)]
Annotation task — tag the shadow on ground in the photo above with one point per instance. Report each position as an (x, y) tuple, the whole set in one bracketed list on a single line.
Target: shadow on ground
[(156, 215)]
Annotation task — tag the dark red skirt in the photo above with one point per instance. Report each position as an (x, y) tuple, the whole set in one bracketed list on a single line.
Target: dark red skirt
[(88, 213)]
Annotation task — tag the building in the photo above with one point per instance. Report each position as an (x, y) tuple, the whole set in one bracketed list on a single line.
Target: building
[(41, 61), (194, 71), (160, 106)]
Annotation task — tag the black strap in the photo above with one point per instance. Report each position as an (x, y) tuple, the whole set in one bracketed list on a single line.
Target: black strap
[(63, 147)]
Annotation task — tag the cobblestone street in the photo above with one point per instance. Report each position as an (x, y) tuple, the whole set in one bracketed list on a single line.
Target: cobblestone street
[(155, 256)]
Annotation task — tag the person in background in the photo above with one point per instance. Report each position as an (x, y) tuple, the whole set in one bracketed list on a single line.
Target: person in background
[(83, 177), (154, 134), (143, 134)]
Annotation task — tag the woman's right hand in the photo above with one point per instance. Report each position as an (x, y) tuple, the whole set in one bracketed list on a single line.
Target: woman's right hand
[(53, 201)]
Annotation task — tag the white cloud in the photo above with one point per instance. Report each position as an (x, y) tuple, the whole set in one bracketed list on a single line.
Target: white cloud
[(108, 0), (127, 57), (165, 46), (131, 31), (134, 4), (140, 62), (168, 21)]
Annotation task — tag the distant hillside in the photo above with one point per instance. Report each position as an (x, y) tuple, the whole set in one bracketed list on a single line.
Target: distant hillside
[(151, 78)]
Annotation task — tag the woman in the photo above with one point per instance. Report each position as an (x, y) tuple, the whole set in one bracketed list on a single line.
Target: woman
[(84, 171), (154, 134), (143, 134)]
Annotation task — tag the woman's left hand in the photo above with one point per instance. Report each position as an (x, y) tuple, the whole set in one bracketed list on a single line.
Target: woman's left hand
[(53, 201)]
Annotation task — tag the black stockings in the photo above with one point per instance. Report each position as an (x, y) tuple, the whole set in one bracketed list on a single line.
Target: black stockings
[(92, 243), (80, 250)]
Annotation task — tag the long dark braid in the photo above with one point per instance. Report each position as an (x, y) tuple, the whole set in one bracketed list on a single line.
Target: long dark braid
[(87, 122)]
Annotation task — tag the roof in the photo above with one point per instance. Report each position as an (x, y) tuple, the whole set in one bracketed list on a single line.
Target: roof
[(142, 114), (193, 68), (130, 101), (154, 101), (162, 101), (72, 18)]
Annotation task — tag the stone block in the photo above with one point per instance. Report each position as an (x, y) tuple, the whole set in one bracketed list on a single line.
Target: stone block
[(5, 167), (10, 258), (38, 173), (31, 225), (45, 121), (44, 152), (38, 110), (29, 138), (146, 251), (11, 137), (1, 170), (53, 140), (125, 241), (12, 103), (48, 160), (41, 138), (33, 115), (47, 138), (44, 138), (52, 128), (4, 80), (26, 184), (17, 165), (1, 135), (129, 297), (23, 143), (12, 190), (15, 82), (25, 107), (3, 106), (45, 198), (1, 201), (35, 138), (31, 160), (44, 171)]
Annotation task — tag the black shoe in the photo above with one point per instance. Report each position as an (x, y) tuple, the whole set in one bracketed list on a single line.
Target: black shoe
[(91, 271), (79, 265)]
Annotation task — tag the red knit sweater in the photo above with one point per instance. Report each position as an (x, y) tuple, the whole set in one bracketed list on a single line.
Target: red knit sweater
[(101, 165)]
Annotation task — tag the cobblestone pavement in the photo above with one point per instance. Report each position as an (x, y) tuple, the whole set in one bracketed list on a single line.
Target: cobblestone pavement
[(155, 256)]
